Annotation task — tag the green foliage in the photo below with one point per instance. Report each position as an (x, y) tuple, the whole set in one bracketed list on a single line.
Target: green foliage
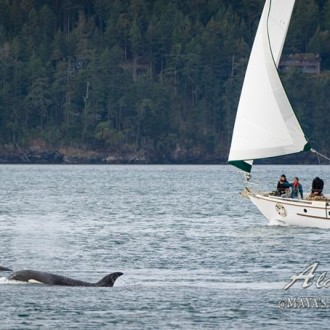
[(145, 74)]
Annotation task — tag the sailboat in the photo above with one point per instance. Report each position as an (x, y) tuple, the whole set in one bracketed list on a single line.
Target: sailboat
[(266, 125)]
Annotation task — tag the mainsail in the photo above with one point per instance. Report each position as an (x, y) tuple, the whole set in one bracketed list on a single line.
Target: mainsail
[(266, 125)]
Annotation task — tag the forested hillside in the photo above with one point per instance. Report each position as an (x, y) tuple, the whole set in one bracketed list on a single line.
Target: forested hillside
[(145, 80)]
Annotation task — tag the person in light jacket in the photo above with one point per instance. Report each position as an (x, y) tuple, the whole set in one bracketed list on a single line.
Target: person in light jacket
[(296, 188)]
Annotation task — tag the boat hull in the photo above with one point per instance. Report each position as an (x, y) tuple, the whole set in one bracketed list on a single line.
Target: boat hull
[(294, 212)]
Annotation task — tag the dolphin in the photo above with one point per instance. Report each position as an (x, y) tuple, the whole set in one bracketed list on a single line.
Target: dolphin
[(5, 269), (34, 276)]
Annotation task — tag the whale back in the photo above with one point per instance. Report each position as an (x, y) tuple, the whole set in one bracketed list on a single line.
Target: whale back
[(53, 279), (27, 275)]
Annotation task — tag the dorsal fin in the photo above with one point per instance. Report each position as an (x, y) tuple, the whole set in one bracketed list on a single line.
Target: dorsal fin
[(109, 279)]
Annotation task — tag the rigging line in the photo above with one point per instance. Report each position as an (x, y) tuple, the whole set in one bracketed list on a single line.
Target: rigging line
[(318, 159), (319, 154)]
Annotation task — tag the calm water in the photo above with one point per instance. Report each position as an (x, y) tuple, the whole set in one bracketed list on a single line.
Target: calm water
[(195, 254)]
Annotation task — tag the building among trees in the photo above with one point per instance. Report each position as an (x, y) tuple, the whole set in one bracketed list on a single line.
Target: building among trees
[(306, 62)]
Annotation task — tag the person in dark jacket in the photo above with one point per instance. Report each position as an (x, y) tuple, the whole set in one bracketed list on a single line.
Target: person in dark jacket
[(317, 187), (283, 186)]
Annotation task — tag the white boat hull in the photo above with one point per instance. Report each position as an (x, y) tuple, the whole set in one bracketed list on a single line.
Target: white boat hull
[(293, 212)]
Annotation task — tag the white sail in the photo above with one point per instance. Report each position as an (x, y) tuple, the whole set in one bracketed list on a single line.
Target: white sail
[(266, 125), (278, 24)]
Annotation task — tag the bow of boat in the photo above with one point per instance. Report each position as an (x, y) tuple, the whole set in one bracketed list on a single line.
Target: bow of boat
[(289, 211)]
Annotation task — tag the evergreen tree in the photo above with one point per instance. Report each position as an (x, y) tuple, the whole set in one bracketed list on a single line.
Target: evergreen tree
[(151, 75)]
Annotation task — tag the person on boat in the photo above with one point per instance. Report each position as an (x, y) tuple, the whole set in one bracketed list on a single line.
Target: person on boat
[(283, 186), (317, 186), (317, 189), (296, 188)]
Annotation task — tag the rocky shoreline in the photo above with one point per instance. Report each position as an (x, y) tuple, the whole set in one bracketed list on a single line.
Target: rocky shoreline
[(68, 155), (39, 153)]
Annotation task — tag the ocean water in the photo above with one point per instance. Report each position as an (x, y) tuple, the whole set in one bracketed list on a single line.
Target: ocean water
[(194, 253)]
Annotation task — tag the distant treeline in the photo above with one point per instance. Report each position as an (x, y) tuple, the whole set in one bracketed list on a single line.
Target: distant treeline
[(156, 75)]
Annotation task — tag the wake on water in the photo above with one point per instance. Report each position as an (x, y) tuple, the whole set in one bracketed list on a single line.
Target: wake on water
[(4, 280), (275, 222)]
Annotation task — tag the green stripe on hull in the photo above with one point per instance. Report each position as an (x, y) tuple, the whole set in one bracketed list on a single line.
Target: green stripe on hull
[(246, 167)]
